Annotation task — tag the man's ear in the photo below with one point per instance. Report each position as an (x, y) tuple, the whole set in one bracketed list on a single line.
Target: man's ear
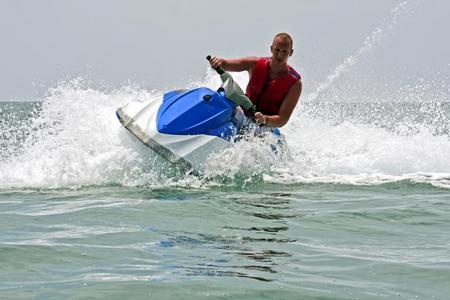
[(292, 51)]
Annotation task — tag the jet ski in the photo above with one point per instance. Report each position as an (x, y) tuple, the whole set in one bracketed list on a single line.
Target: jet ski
[(186, 126)]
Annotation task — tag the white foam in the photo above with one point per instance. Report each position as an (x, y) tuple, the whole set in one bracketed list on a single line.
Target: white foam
[(364, 154), (77, 140)]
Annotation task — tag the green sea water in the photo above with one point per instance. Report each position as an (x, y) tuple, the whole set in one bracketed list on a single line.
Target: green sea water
[(264, 241)]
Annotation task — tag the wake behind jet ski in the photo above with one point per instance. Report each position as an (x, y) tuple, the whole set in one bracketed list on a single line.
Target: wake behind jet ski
[(187, 126)]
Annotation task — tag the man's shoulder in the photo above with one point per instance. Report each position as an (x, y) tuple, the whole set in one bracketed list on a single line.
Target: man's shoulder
[(251, 59), (294, 73), (250, 62)]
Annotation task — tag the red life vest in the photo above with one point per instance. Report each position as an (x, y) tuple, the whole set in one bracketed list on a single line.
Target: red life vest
[(268, 94)]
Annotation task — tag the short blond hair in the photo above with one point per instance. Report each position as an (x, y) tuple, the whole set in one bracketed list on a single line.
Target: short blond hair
[(284, 36)]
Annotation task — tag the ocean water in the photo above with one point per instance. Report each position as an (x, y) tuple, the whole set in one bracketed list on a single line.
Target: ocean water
[(359, 207)]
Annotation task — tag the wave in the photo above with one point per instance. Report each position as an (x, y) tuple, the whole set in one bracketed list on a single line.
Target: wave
[(74, 139)]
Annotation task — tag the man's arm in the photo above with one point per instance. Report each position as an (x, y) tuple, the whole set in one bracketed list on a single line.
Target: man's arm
[(286, 109), (235, 65)]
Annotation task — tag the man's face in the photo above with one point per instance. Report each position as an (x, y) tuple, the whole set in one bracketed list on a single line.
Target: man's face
[(281, 50)]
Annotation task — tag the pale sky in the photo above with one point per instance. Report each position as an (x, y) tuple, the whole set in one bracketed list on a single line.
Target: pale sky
[(163, 44)]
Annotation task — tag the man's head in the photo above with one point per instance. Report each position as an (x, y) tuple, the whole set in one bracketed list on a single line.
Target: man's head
[(281, 47)]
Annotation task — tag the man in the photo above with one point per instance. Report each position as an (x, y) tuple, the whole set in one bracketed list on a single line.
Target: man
[(274, 86)]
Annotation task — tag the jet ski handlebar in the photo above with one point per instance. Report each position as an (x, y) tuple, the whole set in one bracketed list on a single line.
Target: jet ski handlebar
[(219, 70), (233, 91)]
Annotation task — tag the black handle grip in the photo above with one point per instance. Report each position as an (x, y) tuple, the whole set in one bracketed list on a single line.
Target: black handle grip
[(219, 70), (252, 111)]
